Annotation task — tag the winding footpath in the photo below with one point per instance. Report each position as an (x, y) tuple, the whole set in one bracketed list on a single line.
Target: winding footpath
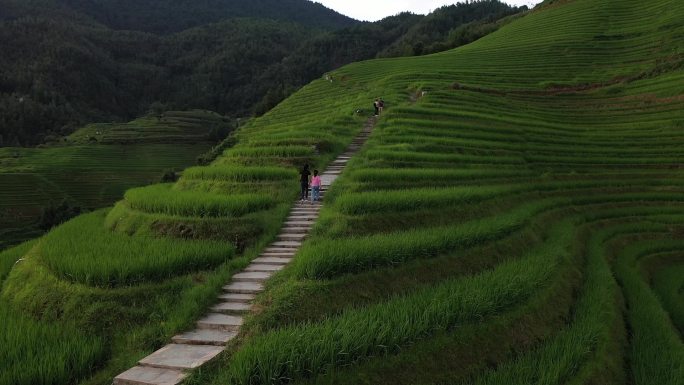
[(170, 364)]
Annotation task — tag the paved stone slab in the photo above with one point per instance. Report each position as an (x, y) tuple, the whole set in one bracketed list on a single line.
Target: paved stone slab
[(232, 307), (205, 337), (252, 276), (263, 267), (271, 261), (244, 287), (216, 321), (299, 223), (288, 236), (307, 204), (285, 250), (287, 244), (296, 230), (235, 297), (181, 357), (302, 212), (145, 375), (301, 217), (280, 254)]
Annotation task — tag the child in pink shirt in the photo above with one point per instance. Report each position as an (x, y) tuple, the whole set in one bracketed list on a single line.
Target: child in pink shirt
[(315, 187)]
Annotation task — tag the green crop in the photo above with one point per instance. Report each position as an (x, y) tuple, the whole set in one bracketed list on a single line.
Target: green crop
[(163, 200), (82, 250)]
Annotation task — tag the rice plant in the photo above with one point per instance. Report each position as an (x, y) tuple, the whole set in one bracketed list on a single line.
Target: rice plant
[(163, 200), (82, 250)]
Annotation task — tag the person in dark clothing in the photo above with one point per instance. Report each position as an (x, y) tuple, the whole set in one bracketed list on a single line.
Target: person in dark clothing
[(304, 181), (381, 105)]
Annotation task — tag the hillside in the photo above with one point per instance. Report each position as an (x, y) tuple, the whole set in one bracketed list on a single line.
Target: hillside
[(94, 166), (63, 69), (169, 16), (515, 217)]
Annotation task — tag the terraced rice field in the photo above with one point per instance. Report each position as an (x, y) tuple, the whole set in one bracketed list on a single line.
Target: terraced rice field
[(516, 217), (94, 174)]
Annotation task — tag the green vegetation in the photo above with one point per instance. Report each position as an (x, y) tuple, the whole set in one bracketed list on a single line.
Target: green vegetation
[(488, 232), (162, 199), (9, 258), (93, 167), (37, 352), (95, 256), (516, 217), (107, 60)]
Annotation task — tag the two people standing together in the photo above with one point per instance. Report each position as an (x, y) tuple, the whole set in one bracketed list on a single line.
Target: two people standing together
[(306, 180), (378, 105)]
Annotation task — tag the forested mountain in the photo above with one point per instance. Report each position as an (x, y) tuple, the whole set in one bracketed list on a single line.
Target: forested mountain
[(449, 27), (168, 16), (66, 63)]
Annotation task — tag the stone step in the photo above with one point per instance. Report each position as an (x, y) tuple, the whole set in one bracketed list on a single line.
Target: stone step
[(181, 356), (289, 236), (252, 276), (300, 218), (205, 337), (299, 223), (310, 211), (235, 297), (304, 213), (145, 375), (272, 260), (305, 216), (297, 230), (216, 321), (308, 205), (232, 308), (244, 287), (263, 267), (281, 250), (287, 244), (279, 254)]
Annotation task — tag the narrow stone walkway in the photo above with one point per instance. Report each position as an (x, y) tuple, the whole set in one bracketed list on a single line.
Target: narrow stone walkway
[(170, 364)]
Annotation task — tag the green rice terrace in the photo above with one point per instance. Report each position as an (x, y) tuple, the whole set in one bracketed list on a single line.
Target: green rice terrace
[(94, 166), (515, 217)]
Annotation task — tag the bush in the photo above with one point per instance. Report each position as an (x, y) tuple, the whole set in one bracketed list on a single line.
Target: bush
[(55, 215)]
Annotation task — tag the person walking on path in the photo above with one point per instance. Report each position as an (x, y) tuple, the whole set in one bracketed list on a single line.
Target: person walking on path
[(315, 187), (304, 181), (381, 105), (376, 105)]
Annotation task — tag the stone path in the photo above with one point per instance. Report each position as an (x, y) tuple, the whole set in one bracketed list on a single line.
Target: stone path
[(169, 365)]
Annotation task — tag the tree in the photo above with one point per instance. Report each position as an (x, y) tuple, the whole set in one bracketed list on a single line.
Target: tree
[(158, 109)]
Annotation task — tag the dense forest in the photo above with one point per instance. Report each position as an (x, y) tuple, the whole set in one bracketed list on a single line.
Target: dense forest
[(169, 16), (69, 62)]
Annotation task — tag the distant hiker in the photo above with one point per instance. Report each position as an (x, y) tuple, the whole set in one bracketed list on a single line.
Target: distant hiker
[(315, 187), (304, 181), (376, 105), (381, 104)]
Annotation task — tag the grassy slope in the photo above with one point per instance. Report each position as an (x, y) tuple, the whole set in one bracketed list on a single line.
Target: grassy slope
[(93, 167), (551, 162), (524, 187), (130, 309)]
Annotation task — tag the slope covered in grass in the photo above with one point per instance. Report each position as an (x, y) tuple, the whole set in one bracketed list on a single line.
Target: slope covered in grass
[(95, 165), (507, 222), (489, 232)]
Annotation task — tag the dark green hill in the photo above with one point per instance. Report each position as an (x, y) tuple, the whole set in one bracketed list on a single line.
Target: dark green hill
[(168, 16), (64, 66)]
